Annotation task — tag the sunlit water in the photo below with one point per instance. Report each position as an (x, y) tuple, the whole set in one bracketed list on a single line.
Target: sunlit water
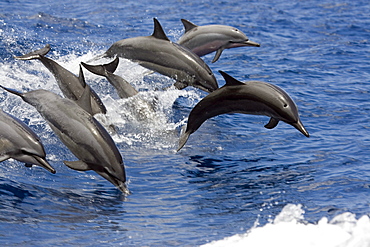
[(234, 179)]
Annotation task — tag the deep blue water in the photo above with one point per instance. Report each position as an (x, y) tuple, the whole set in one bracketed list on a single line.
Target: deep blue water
[(232, 171)]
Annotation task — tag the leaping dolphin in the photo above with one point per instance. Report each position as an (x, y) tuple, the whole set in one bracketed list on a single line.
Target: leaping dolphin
[(203, 40), (71, 86), (158, 53), (81, 133), (19, 142), (252, 97)]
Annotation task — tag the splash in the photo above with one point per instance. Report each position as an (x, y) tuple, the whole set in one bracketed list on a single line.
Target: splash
[(289, 229), (145, 120)]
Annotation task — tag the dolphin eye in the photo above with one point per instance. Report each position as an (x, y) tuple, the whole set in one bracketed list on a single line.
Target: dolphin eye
[(285, 105)]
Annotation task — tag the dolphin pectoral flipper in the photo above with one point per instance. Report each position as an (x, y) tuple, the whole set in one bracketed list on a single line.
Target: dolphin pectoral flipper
[(272, 123), (218, 54), (35, 54), (77, 165)]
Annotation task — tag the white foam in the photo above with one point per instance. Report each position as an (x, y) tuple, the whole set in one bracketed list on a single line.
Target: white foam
[(137, 124), (289, 229)]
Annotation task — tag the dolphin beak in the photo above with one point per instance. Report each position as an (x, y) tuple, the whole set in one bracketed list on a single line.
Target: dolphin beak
[(12, 91), (207, 86), (299, 126), (250, 43), (206, 89), (241, 43), (43, 163)]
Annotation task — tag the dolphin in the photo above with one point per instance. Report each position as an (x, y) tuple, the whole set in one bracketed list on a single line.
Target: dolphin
[(141, 109), (71, 86), (84, 136), (252, 97), (203, 40), (158, 53), (124, 89), (19, 142)]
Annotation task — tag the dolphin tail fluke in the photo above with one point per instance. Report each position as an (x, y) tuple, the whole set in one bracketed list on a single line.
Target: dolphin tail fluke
[(299, 126), (13, 91), (35, 54), (102, 69), (43, 163), (112, 66), (183, 138), (95, 69)]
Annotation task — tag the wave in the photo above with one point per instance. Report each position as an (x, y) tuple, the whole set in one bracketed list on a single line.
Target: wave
[(290, 229)]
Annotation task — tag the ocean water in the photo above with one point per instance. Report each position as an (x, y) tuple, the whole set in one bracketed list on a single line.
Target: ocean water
[(234, 183)]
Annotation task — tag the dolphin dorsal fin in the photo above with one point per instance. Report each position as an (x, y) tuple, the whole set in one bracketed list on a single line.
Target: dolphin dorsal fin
[(188, 25), (81, 77), (158, 31), (230, 81), (85, 100)]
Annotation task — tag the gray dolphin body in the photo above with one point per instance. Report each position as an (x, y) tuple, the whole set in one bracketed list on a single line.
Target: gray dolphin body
[(252, 97), (142, 109), (81, 133), (71, 86), (158, 53), (124, 89), (19, 142), (203, 40)]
